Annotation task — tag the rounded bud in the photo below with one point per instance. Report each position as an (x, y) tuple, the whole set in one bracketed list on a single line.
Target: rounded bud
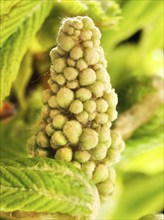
[(88, 168), (77, 33), (53, 113), (54, 87), (76, 164), (59, 64), (72, 130), (100, 174), (71, 62), (42, 140), (49, 129), (60, 79), (112, 174), (77, 24), (96, 33), (88, 139), (97, 88), (101, 105), (111, 98), (76, 53), (88, 44), (45, 111), (92, 116), (54, 54), (91, 56), (70, 73), (87, 22), (116, 139), (101, 118), (99, 152), (74, 84), (81, 156), (64, 97), (112, 114), (76, 107), (60, 51), (52, 102), (46, 95), (113, 155), (87, 77), (83, 94), (90, 106), (81, 64), (66, 43), (59, 121), (82, 117), (104, 135), (58, 138), (64, 153), (41, 152), (85, 35), (105, 188)]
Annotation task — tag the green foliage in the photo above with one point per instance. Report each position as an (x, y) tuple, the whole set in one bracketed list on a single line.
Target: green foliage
[(19, 33), (45, 185)]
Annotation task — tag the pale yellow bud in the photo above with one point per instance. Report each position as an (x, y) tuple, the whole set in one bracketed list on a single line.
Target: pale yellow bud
[(97, 88), (59, 121), (64, 153), (70, 73), (64, 97), (60, 79), (88, 139), (76, 107), (82, 156), (83, 94), (46, 95), (100, 174), (87, 77), (76, 53), (52, 102), (82, 117), (101, 105), (101, 118), (71, 62), (74, 84), (58, 138), (81, 64), (59, 64), (90, 106)]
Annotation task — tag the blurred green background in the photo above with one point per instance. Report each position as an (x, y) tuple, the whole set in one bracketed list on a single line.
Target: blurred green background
[(132, 38)]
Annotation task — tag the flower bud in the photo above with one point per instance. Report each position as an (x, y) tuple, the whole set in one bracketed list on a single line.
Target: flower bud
[(87, 77), (82, 156), (64, 97), (77, 24), (104, 135), (91, 56), (112, 174), (101, 105), (74, 84), (46, 95), (64, 153), (87, 22), (112, 114), (92, 116), (99, 152), (97, 88), (116, 139), (76, 53), (85, 35), (71, 62), (49, 129), (111, 98), (113, 155), (54, 54), (88, 168), (81, 64), (59, 121), (72, 130), (88, 44), (76, 164), (101, 118), (58, 138), (42, 140), (41, 152), (66, 43), (106, 187), (54, 87), (52, 102), (100, 174), (83, 94), (32, 145), (76, 107), (60, 79), (88, 139), (45, 111), (82, 117), (59, 64), (53, 113), (90, 106), (70, 73)]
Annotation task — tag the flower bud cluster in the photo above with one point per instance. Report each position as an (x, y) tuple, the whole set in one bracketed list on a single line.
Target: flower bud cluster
[(79, 107)]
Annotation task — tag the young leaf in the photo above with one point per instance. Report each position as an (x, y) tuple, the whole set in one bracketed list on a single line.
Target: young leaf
[(46, 185), (17, 39)]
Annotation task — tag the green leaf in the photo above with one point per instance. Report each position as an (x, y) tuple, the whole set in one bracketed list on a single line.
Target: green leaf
[(23, 78), (13, 136), (17, 38), (141, 195), (46, 185)]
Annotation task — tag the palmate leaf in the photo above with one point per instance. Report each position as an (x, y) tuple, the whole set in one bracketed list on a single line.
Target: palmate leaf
[(16, 36), (46, 185)]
